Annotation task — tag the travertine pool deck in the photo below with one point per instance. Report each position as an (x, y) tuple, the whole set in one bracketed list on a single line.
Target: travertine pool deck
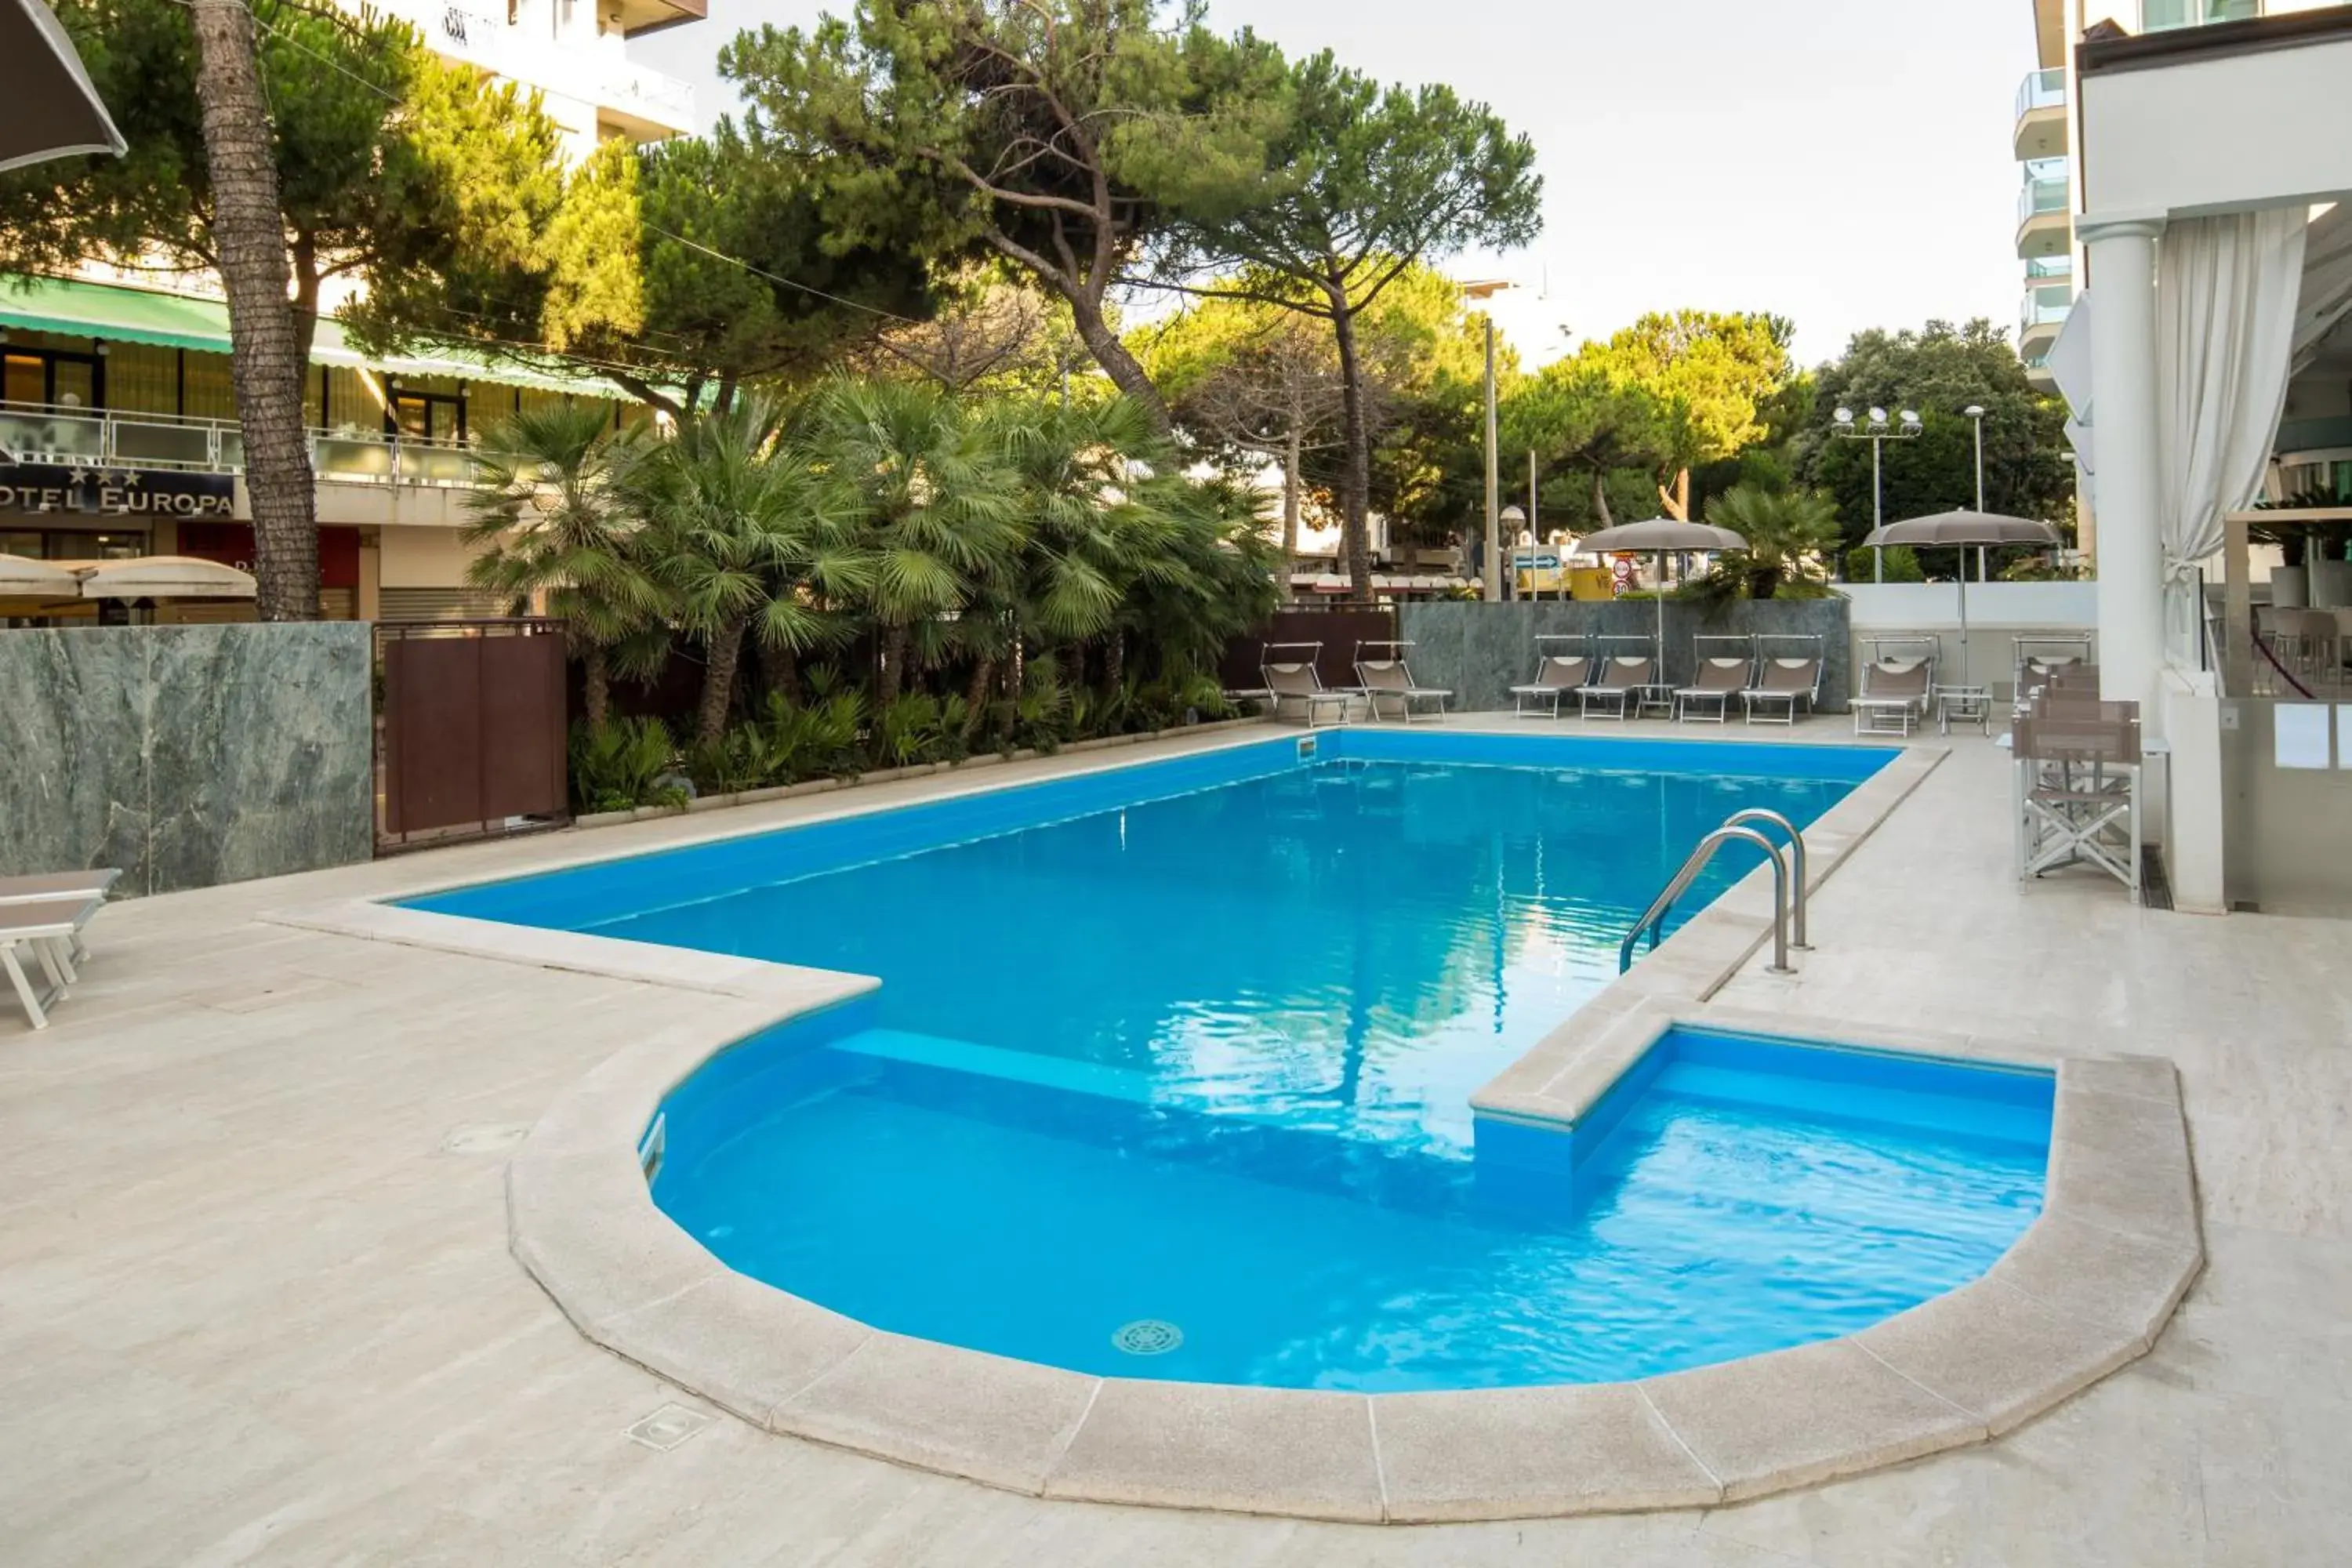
[(255, 1302)]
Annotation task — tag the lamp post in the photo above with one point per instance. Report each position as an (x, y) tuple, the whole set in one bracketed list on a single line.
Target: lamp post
[(1877, 432), (1975, 411), (1512, 519)]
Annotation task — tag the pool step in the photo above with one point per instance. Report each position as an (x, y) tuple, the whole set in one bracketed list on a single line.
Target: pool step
[(1063, 1073)]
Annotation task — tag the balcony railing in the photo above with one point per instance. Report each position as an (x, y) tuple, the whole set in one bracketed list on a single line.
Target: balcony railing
[(2040, 196), (2045, 306), (2162, 16), (84, 437), (2314, 435), (486, 37), (2042, 89), (2060, 267)]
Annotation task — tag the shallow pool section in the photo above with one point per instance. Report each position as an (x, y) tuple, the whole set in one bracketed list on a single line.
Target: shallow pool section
[(1731, 1195)]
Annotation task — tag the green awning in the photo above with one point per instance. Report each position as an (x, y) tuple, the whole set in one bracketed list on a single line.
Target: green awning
[(78, 310)]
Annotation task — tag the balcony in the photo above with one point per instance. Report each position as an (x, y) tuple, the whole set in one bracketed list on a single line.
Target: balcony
[(2329, 434), (2041, 119), (2045, 218), (84, 437), (2046, 268), (2163, 15), (2043, 312), (647, 103)]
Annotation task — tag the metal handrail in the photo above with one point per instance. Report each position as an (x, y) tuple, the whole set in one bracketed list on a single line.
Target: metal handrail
[(1796, 867), (1655, 915)]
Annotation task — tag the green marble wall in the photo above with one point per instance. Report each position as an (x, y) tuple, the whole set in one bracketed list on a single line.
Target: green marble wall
[(186, 755), (1480, 652)]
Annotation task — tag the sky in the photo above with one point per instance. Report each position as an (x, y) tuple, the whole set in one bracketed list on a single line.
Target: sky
[(1842, 162)]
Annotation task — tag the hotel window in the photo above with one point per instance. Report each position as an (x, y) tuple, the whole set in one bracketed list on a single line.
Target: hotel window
[(2157, 15), (51, 376)]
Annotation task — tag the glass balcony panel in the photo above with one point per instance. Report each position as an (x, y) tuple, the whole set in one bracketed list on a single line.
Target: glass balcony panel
[(179, 445), (352, 457), (2160, 16), (2040, 196), (424, 463), (43, 434), (2050, 266), (2042, 89)]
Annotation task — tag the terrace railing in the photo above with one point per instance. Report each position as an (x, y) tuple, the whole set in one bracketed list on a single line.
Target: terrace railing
[(73, 436)]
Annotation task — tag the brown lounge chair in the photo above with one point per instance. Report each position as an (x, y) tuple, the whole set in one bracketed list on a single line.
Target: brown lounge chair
[(1620, 681), (1783, 683), (1558, 675), (1297, 681), (1392, 678), (1894, 696), (1719, 680)]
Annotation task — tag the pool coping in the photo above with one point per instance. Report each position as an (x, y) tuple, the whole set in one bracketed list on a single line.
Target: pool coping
[(2085, 1292)]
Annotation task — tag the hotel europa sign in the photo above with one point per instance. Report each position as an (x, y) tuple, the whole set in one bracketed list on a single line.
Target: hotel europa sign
[(116, 492)]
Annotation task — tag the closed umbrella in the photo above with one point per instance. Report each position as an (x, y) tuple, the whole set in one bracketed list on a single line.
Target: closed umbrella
[(1949, 529), (1659, 536), (53, 111)]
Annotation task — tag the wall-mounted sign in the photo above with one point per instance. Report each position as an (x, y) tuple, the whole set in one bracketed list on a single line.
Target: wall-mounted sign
[(116, 492)]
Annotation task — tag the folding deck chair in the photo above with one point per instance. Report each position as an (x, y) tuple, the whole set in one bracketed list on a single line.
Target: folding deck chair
[(1562, 667), (1392, 677)]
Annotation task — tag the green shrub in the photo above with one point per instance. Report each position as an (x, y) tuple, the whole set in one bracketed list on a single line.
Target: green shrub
[(1902, 566), (743, 758), (815, 741), (618, 765)]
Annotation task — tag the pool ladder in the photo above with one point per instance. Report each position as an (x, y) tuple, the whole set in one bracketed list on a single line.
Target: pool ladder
[(1736, 828)]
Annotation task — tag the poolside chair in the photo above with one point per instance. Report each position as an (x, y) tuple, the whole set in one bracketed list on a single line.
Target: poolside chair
[(1719, 678), (1290, 680), (1894, 696), (42, 887), (2078, 771), (49, 931), (1782, 683), (1558, 673), (1620, 681), (1392, 678)]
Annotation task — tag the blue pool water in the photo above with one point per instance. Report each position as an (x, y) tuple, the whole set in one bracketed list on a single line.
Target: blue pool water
[(1192, 1045)]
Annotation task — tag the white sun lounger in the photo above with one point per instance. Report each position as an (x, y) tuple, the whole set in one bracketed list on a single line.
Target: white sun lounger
[(49, 931), (42, 886), (1293, 678), (1392, 678), (1620, 681)]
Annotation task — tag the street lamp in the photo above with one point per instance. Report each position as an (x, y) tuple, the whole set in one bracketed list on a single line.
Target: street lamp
[(1975, 411), (1877, 432), (1510, 524)]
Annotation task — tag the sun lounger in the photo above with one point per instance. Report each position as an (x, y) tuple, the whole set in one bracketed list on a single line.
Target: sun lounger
[(1620, 681), (1782, 683), (48, 931), (1558, 675), (45, 886), (1894, 694), (1719, 680), (1296, 679), (1391, 678)]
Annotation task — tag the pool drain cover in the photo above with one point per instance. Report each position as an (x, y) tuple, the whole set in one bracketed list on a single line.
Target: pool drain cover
[(1148, 1336)]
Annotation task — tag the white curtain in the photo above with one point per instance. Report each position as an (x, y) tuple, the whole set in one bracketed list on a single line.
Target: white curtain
[(2226, 289)]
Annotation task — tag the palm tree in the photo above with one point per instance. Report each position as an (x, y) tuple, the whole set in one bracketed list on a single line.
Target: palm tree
[(744, 534), (266, 360), (1785, 530), (937, 511), (546, 520)]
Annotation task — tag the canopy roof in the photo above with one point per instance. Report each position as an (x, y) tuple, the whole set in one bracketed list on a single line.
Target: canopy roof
[(159, 577), (23, 577), (75, 309)]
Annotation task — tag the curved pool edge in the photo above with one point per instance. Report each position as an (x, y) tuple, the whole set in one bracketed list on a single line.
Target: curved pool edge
[(2083, 1292)]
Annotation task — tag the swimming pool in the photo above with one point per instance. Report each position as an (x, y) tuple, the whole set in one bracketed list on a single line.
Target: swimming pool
[(1169, 1075)]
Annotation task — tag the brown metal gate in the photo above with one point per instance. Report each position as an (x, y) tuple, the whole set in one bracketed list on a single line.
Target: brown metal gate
[(471, 730)]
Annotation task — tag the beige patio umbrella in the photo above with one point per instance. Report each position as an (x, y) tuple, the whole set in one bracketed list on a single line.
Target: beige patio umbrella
[(53, 111), (1659, 536), (1951, 530), (159, 577), (21, 577)]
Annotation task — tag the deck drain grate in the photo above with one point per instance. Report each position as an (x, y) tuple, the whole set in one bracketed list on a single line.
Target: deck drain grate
[(1148, 1336), (2155, 887), (668, 1427)]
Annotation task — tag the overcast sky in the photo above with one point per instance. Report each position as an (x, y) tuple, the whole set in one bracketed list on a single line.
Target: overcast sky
[(1842, 162)]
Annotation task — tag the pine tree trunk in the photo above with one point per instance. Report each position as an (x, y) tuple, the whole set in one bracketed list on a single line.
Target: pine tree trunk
[(596, 686), (248, 231), (1356, 474), (1601, 499), (1124, 369), (1291, 455), (722, 657)]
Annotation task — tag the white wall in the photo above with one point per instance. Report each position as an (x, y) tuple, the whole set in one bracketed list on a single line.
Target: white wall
[(1922, 606), (2240, 131)]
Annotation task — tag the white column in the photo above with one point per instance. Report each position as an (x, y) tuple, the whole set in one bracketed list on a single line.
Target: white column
[(2123, 434)]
